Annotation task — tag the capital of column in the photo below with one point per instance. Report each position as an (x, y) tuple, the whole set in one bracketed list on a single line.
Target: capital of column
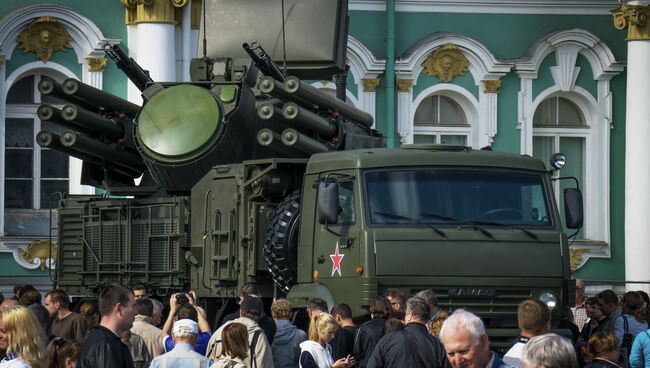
[(152, 11), (491, 86), (404, 85), (370, 84), (635, 18), (96, 64)]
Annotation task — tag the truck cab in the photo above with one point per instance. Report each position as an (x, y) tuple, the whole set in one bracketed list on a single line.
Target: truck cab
[(480, 228)]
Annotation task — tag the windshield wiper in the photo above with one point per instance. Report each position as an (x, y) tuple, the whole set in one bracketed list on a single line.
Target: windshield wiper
[(413, 220), (530, 234), (461, 223), (475, 225), (439, 217)]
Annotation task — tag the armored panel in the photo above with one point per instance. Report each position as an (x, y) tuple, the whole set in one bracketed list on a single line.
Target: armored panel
[(104, 241)]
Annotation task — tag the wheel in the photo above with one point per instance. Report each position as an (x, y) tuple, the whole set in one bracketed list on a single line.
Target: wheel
[(502, 213), (281, 243)]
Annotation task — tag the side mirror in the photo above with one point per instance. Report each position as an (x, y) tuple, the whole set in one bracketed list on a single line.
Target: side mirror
[(573, 211), (328, 203)]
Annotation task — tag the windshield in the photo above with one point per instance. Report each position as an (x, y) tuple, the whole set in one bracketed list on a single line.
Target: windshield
[(453, 196)]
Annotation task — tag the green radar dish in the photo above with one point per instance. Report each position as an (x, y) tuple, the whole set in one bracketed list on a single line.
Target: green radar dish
[(178, 120)]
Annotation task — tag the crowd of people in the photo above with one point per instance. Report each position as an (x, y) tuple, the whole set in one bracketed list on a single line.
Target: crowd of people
[(126, 328)]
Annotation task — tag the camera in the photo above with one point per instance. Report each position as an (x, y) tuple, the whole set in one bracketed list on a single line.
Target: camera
[(182, 298)]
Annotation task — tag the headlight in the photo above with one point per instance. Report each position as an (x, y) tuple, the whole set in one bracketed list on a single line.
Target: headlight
[(549, 299), (558, 160)]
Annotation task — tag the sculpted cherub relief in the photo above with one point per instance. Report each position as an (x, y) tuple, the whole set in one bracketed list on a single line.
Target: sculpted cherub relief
[(446, 62)]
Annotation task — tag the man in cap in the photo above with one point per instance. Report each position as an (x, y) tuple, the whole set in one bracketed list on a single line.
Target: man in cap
[(259, 355), (266, 323), (184, 333)]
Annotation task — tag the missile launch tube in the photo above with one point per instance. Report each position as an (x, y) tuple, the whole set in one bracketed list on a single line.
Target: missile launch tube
[(294, 139), (49, 87), (268, 138), (303, 118), (268, 111), (73, 87), (52, 114), (83, 117), (90, 146), (47, 139), (274, 88), (311, 94)]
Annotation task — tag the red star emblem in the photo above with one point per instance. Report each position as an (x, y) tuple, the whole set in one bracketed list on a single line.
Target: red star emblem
[(336, 260)]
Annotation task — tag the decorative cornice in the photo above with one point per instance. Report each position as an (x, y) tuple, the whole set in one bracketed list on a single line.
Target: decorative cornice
[(404, 85), (370, 84), (635, 18), (196, 14), (603, 63), (563, 7), (491, 86), (96, 64), (152, 11), (44, 36)]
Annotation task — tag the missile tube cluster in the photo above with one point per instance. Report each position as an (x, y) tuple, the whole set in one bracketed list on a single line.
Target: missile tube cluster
[(309, 119)]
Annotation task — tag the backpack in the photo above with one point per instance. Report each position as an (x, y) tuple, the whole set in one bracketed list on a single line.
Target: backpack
[(626, 345)]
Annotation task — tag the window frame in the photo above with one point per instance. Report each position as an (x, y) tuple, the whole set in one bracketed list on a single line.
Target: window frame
[(438, 130), (28, 111), (595, 230)]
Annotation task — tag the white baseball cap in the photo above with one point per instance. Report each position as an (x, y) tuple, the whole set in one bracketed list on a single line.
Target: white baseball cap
[(185, 326)]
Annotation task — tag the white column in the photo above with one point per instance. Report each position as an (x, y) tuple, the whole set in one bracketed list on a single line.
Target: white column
[(156, 50), (637, 165), (187, 34), (133, 93)]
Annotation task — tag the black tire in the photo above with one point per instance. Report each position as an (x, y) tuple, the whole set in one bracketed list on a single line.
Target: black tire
[(281, 243)]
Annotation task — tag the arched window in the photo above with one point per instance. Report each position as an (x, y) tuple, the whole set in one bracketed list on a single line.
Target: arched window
[(31, 174), (559, 125), (439, 119)]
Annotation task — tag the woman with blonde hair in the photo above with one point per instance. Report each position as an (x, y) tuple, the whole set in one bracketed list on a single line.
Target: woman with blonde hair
[(24, 338), (316, 352), (601, 351), (234, 338)]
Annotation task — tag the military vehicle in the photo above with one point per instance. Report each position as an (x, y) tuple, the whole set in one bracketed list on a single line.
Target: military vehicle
[(255, 175)]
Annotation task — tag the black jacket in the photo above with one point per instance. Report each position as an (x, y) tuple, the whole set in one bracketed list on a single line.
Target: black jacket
[(266, 323), (402, 349), (343, 342), (366, 338), (103, 348)]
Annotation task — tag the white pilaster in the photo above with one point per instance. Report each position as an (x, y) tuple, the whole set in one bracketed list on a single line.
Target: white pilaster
[(525, 115), (404, 123), (637, 165), (488, 130)]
